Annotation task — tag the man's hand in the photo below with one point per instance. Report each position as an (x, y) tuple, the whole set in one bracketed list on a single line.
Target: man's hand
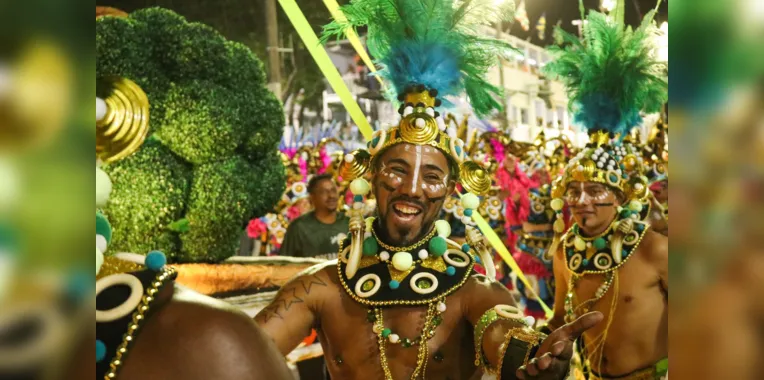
[(552, 360)]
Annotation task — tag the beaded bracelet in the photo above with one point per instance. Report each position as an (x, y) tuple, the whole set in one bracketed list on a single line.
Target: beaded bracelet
[(489, 317)]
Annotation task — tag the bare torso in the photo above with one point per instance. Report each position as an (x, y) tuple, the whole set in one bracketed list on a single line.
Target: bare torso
[(637, 338), (349, 344)]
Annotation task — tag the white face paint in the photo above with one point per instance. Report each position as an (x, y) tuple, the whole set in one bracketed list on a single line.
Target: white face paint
[(418, 163)]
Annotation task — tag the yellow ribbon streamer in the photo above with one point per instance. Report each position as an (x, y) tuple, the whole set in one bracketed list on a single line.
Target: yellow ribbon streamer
[(499, 246), (311, 41), (337, 14)]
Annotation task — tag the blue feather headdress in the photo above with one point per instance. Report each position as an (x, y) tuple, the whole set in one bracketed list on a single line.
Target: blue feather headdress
[(431, 44)]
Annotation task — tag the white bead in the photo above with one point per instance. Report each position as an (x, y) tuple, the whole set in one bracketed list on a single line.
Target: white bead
[(441, 307), (101, 243), (530, 320), (441, 123), (634, 216), (600, 165), (384, 256), (408, 110), (402, 261), (430, 111), (101, 109), (639, 187), (357, 205), (588, 244), (466, 220), (618, 171), (420, 123), (393, 338), (349, 158), (423, 254)]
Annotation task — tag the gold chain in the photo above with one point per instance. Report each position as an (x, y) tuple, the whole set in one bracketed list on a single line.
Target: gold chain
[(421, 362), (410, 248)]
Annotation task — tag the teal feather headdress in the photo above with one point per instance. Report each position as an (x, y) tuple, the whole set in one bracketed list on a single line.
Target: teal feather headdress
[(433, 44), (611, 74)]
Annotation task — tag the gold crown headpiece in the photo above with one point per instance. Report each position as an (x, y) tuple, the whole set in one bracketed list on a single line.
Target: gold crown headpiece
[(420, 124), (601, 161)]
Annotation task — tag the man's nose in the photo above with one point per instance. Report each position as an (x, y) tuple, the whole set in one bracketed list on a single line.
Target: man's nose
[(411, 186)]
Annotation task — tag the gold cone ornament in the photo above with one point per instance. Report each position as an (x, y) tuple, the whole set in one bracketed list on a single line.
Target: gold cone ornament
[(123, 125)]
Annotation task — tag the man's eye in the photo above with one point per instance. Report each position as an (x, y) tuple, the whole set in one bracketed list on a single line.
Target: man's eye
[(432, 177), (399, 170)]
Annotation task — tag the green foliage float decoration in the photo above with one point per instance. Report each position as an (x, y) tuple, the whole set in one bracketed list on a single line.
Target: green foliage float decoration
[(211, 162)]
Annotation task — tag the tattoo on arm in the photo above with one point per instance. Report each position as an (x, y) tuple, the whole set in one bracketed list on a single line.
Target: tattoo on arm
[(294, 293)]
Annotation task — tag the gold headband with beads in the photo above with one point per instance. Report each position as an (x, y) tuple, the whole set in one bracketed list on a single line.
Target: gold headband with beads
[(420, 125)]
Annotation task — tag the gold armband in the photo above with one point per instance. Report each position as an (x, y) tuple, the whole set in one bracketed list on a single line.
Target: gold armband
[(523, 335)]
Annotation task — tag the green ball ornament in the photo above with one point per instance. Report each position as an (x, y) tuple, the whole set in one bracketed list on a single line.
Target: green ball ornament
[(635, 206), (370, 246), (103, 187), (599, 243), (470, 200), (438, 246), (103, 227), (442, 228)]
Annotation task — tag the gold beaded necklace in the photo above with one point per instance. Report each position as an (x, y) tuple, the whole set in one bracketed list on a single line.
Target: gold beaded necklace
[(422, 352), (410, 248)]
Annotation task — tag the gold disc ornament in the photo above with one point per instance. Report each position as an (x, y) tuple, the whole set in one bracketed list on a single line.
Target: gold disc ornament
[(122, 118), (474, 178)]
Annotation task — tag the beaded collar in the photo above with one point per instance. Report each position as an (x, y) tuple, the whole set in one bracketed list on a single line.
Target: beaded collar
[(418, 274), (594, 255), (123, 303)]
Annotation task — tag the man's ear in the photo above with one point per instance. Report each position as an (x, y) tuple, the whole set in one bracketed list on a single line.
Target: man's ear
[(451, 187)]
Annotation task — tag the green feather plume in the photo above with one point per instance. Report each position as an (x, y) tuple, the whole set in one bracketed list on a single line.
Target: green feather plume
[(611, 73), (435, 43)]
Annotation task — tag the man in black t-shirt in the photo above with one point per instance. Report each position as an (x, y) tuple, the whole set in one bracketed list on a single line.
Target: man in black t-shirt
[(317, 233)]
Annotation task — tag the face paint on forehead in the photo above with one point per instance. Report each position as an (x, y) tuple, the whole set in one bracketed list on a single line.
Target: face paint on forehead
[(418, 163)]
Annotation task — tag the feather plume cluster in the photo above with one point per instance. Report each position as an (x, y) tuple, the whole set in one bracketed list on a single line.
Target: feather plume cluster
[(435, 43), (611, 73)]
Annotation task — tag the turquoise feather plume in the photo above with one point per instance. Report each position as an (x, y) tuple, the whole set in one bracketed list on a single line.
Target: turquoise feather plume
[(610, 74), (435, 43)]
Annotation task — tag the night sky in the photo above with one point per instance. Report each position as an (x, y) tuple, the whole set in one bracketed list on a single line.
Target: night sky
[(567, 10)]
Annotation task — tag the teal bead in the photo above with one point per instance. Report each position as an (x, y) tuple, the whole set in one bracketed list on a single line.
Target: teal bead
[(386, 332), (394, 284), (625, 213), (100, 350), (585, 262), (639, 227), (103, 227), (370, 246), (613, 178), (450, 271), (458, 150), (465, 248), (468, 212), (438, 246), (599, 243), (155, 260), (374, 141)]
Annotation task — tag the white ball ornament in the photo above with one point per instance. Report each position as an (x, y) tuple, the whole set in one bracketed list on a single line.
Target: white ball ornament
[(384, 256), (359, 186), (443, 228), (349, 158), (423, 254), (101, 109), (402, 261), (408, 110), (393, 338), (420, 123), (470, 200), (103, 187), (430, 111), (101, 243)]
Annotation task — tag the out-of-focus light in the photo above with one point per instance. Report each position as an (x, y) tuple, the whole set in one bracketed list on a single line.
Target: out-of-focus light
[(661, 43), (607, 5)]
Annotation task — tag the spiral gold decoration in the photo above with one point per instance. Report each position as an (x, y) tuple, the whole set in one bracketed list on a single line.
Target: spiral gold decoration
[(126, 124), (358, 167), (584, 171), (418, 135), (474, 178)]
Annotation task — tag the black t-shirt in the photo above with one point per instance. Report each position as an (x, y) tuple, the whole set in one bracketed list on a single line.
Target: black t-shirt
[(306, 236)]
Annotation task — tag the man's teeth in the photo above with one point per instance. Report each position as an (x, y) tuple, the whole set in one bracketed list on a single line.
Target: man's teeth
[(406, 209)]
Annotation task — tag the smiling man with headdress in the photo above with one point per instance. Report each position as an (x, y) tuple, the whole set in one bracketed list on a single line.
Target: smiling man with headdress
[(402, 300), (610, 260)]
